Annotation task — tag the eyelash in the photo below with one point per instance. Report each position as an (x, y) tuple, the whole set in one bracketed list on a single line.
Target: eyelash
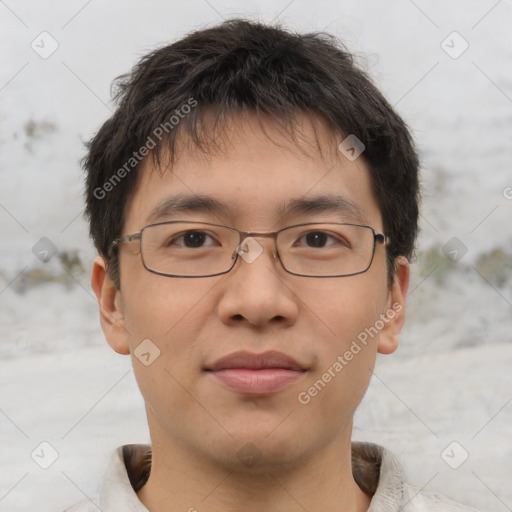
[(181, 236)]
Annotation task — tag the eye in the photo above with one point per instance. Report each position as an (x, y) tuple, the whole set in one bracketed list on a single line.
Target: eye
[(322, 239), (192, 239)]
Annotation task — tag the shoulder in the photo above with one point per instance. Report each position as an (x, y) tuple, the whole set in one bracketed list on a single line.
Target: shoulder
[(128, 467), (421, 501), (86, 505), (378, 473)]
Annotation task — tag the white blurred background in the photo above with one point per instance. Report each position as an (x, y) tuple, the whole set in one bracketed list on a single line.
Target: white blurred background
[(451, 378)]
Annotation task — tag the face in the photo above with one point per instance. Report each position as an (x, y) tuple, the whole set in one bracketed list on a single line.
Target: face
[(308, 333)]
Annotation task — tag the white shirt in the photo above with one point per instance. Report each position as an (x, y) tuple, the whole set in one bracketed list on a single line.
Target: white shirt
[(375, 470)]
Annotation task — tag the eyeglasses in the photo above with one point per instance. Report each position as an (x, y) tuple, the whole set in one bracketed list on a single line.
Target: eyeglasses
[(201, 249)]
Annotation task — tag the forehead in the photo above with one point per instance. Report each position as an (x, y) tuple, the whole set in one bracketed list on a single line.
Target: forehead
[(256, 175)]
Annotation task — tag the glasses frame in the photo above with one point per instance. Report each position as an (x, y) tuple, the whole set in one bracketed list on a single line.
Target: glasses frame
[(377, 238)]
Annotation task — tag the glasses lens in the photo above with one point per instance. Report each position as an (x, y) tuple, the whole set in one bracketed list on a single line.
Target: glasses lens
[(326, 249), (188, 248)]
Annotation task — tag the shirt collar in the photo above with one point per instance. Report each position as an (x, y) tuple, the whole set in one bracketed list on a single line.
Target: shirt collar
[(375, 470)]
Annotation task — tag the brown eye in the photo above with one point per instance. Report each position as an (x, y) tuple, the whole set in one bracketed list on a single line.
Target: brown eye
[(191, 240), (194, 238), (322, 239), (317, 239)]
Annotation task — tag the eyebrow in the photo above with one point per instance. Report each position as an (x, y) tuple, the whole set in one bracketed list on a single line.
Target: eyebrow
[(339, 205), (185, 204)]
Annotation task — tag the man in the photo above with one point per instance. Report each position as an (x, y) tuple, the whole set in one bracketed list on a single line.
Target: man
[(254, 201)]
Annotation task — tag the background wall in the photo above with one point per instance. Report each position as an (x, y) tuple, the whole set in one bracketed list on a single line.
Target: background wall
[(445, 65)]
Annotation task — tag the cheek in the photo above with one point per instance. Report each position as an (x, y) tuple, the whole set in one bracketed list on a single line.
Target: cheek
[(170, 313), (164, 317), (346, 311), (346, 306), (170, 310)]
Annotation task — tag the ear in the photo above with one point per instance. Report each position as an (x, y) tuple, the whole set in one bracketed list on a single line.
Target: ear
[(394, 316), (111, 311)]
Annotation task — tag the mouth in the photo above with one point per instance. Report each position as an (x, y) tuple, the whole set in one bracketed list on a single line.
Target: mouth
[(257, 374)]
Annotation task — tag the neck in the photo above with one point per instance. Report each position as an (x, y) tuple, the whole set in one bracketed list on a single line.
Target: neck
[(182, 481)]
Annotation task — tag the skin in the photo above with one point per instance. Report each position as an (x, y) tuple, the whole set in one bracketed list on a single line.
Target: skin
[(197, 425)]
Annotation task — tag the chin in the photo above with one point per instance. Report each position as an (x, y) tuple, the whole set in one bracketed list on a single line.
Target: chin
[(254, 451)]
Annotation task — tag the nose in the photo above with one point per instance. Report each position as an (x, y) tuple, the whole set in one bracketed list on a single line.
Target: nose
[(257, 291)]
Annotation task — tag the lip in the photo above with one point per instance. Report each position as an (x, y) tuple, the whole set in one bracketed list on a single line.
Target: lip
[(257, 374)]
